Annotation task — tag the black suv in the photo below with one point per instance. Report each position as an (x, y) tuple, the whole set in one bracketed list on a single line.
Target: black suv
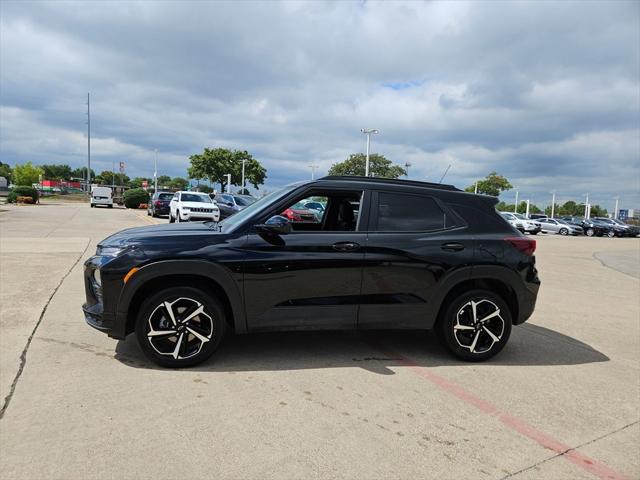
[(385, 254)]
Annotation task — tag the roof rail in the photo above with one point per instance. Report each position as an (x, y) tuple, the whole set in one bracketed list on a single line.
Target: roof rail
[(393, 181)]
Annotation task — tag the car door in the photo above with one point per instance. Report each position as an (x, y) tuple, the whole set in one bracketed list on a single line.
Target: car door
[(414, 240), (306, 279), (173, 204)]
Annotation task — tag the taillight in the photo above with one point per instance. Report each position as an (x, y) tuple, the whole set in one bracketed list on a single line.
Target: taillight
[(291, 215), (157, 203), (524, 244)]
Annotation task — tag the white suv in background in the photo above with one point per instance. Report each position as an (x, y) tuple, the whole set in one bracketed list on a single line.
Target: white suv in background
[(522, 223), (185, 206)]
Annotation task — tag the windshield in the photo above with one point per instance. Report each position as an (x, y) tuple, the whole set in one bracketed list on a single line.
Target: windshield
[(165, 196), (192, 197), (520, 216), (229, 224), (244, 201)]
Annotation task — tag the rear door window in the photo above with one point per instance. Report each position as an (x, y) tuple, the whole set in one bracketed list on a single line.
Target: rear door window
[(399, 212)]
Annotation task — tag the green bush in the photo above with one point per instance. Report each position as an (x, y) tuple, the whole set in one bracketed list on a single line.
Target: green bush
[(22, 191), (134, 197)]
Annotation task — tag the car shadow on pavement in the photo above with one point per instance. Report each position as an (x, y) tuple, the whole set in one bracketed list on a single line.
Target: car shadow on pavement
[(375, 351)]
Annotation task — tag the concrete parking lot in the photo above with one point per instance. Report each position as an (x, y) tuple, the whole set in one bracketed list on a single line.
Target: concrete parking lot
[(561, 401)]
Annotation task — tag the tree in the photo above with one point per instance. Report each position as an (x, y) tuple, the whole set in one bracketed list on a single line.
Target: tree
[(179, 183), (26, 174), (106, 177), (5, 171), (137, 182), (81, 173), (214, 165), (164, 180), (57, 172), (570, 209), (379, 166), (205, 189), (598, 211), (492, 185)]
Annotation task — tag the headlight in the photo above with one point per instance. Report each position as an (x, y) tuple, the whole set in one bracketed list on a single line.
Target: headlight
[(109, 251), (97, 278), (186, 209)]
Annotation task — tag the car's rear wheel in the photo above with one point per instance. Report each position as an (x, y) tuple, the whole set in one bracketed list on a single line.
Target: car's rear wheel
[(564, 231), (171, 219), (476, 325), (180, 327), (589, 232)]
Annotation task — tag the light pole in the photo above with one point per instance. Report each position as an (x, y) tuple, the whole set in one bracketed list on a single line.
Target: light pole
[(615, 209), (368, 133), (586, 206), (553, 203), (407, 165), (527, 212), (475, 190), (515, 208), (243, 162), (155, 170), (313, 171)]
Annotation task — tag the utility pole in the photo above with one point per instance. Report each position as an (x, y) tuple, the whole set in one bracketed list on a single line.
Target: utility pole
[(515, 208), (527, 212), (615, 209), (155, 170), (407, 165), (553, 203), (313, 171), (368, 133), (88, 146)]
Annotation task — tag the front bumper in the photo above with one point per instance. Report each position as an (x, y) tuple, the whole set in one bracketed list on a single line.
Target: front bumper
[(198, 217)]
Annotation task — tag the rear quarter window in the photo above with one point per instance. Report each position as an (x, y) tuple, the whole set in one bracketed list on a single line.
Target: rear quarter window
[(400, 212)]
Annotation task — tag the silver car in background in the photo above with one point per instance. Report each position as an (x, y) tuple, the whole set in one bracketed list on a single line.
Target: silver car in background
[(552, 225)]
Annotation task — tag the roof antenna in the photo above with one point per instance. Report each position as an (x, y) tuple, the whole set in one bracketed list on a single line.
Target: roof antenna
[(445, 172)]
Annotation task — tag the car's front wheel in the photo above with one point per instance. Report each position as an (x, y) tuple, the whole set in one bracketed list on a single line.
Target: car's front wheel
[(564, 231), (476, 325), (590, 232), (611, 234), (180, 327)]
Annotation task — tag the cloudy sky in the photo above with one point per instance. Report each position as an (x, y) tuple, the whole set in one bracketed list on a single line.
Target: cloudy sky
[(545, 93)]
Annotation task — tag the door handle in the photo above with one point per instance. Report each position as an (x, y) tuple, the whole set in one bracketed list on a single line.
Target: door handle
[(346, 246), (452, 247)]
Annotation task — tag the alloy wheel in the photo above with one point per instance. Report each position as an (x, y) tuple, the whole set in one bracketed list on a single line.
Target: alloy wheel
[(179, 329), (479, 326), (590, 232)]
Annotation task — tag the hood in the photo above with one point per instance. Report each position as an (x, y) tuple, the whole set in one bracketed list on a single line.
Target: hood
[(153, 233)]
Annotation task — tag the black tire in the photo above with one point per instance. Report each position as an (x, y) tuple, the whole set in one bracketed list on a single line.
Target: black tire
[(153, 314), (148, 212), (589, 232), (171, 219), (534, 233), (110, 206), (564, 231), (92, 205), (460, 342)]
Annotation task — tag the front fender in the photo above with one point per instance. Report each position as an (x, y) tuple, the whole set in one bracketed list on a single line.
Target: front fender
[(214, 272)]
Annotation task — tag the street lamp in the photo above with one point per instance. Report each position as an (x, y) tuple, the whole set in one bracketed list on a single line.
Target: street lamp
[(553, 203), (155, 170), (244, 160), (313, 171), (368, 133), (407, 165), (515, 208), (615, 209)]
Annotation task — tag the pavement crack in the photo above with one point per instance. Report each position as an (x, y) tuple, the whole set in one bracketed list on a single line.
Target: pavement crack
[(597, 439), (25, 350)]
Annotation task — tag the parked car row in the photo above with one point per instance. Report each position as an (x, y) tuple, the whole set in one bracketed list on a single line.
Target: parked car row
[(596, 226)]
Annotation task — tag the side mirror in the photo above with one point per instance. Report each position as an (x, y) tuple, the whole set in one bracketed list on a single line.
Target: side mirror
[(276, 225)]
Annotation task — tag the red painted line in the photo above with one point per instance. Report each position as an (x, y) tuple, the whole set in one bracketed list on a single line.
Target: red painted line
[(586, 463)]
